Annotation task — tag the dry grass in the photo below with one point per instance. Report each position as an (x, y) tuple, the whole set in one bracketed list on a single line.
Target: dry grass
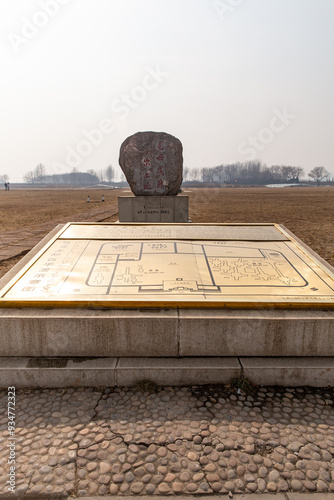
[(307, 212), (24, 208)]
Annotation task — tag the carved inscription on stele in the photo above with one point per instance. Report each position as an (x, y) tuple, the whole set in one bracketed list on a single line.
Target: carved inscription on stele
[(152, 163)]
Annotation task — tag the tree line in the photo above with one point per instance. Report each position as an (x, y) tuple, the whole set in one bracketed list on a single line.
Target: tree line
[(40, 176), (247, 173), (252, 173)]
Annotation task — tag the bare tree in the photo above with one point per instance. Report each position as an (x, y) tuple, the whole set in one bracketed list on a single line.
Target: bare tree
[(185, 173), (73, 177), (4, 178), (30, 177), (297, 172), (247, 173), (276, 172), (207, 174), (194, 174), (94, 178), (231, 172), (110, 173), (40, 173), (287, 173), (219, 173), (318, 174), (37, 175)]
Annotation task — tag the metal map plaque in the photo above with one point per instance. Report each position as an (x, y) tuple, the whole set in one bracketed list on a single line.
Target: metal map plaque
[(133, 265)]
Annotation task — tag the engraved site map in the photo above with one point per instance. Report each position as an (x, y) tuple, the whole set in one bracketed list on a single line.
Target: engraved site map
[(169, 271)]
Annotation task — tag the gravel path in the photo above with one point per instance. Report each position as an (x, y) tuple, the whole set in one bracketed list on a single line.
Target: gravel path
[(190, 440)]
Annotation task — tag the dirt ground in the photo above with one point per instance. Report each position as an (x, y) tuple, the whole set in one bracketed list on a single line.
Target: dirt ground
[(307, 212), (24, 208)]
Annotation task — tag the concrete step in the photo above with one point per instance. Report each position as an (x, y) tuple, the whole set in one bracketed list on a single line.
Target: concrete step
[(165, 332), (51, 372)]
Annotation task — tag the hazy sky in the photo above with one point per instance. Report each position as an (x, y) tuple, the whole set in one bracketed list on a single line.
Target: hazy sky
[(232, 79)]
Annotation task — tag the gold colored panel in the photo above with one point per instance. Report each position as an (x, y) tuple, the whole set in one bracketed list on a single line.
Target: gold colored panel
[(250, 232), (75, 270)]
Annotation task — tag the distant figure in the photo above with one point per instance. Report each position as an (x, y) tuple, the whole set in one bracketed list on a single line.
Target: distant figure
[(5, 186), (88, 200), (103, 197)]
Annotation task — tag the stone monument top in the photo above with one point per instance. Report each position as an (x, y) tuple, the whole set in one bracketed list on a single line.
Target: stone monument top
[(152, 163)]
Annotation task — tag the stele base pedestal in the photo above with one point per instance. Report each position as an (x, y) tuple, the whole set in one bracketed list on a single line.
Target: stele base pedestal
[(153, 209)]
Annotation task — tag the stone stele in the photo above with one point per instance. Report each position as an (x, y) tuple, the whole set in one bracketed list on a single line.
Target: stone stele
[(152, 163)]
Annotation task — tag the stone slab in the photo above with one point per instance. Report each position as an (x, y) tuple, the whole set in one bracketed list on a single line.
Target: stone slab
[(256, 333), (166, 209), (309, 250), (291, 371), (131, 265), (29, 256), (134, 231), (187, 332), (59, 372), (111, 372), (124, 372), (164, 333), (84, 332), (177, 371)]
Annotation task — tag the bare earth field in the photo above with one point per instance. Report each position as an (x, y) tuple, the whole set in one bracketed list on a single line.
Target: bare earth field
[(25, 208), (307, 212)]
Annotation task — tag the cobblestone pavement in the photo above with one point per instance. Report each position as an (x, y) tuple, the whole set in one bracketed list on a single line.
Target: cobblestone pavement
[(190, 440)]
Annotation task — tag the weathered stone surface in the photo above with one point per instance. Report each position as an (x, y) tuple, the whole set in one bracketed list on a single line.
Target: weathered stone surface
[(133, 463), (152, 163)]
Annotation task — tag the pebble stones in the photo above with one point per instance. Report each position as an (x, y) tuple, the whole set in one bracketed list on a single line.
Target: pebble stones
[(126, 442), (152, 163)]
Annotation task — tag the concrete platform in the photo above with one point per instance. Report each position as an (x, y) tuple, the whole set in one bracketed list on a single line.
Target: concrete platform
[(165, 332), (168, 345), (162, 332), (256, 333), (115, 372), (289, 371), (180, 371), (44, 372), (86, 333), (57, 372)]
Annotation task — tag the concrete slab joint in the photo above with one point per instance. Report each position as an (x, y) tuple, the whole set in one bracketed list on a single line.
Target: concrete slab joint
[(259, 333), (295, 371), (166, 333), (125, 372), (115, 372)]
